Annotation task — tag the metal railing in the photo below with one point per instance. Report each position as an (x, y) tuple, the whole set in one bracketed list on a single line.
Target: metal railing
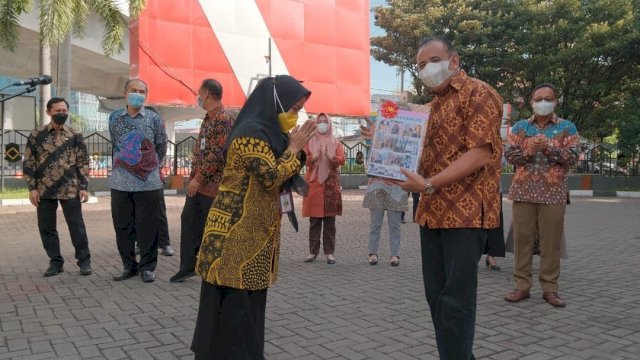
[(598, 159)]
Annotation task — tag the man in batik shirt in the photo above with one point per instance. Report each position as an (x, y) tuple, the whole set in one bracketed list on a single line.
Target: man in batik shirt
[(55, 169), (542, 148), (206, 172)]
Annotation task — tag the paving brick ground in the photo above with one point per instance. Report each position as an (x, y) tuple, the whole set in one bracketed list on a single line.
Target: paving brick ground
[(316, 311)]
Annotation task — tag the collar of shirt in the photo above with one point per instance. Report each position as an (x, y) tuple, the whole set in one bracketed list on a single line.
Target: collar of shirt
[(65, 128), (215, 112), (458, 79), (554, 119), (143, 112)]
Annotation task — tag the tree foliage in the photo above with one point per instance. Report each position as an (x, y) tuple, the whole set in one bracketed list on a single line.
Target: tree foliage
[(589, 49), (59, 18)]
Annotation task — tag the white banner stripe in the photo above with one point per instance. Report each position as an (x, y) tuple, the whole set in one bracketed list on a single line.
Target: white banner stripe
[(244, 37)]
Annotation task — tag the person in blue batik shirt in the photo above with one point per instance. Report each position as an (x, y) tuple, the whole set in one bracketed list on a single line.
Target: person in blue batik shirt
[(139, 145)]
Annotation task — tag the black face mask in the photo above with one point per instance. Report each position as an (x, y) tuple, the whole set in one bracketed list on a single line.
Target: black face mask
[(59, 119)]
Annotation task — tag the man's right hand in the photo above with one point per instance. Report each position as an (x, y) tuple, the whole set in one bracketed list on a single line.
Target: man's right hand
[(368, 131), (192, 189), (34, 197)]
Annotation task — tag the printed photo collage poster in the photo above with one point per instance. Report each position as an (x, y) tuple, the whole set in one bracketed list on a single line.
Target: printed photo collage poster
[(397, 141)]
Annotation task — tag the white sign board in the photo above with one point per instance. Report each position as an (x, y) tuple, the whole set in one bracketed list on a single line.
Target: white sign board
[(19, 113)]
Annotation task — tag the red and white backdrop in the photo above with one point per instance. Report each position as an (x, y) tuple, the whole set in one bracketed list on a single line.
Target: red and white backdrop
[(325, 43)]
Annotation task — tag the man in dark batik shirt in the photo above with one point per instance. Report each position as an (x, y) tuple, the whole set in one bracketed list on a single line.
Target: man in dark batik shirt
[(206, 173), (55, 169)]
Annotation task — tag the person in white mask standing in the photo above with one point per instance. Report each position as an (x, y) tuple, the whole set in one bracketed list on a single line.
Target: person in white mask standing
[(459, 178), (542, 148), (325, 155)]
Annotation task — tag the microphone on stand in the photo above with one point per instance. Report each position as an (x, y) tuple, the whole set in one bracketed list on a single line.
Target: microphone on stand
[(40, 80)]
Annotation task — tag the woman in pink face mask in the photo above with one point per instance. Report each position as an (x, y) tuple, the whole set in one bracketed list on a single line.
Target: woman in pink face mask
[(325, 155)]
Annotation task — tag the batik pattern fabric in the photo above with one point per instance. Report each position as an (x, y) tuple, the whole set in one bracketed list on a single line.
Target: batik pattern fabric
[(380, 195), (467, 115), (56, 162), (541, 177), (241, 242), (208, 152), (139, 147)]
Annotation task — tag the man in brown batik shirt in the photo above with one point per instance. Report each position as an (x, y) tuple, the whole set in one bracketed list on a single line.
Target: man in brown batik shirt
[(55, 166), (458, 176)]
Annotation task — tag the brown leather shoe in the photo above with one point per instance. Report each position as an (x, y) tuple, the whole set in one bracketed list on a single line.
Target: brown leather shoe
[(553, 299), (517, 295)]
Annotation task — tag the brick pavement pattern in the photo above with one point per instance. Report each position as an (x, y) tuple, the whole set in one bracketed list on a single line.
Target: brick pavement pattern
[(349, 310)]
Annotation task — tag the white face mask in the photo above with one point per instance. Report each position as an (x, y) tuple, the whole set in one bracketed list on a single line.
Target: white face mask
[(323, 128), (544, 107), (434, 74)]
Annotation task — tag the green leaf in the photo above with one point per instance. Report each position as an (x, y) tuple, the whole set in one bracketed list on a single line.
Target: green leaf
[(56, 20), (115, 25), (10, 11)]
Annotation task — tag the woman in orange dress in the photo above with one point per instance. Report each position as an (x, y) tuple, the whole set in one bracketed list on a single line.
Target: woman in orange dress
[(325, 155)]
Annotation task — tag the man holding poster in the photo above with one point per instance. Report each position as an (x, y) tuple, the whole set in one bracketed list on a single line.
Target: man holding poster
[(459, 178)]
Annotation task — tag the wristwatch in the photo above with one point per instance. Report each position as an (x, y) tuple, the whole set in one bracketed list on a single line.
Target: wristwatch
[(429, 189)]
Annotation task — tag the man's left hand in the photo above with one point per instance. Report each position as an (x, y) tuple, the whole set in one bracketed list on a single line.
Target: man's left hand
[(84, 196), (414, 183), (192, 189), (368, 131)]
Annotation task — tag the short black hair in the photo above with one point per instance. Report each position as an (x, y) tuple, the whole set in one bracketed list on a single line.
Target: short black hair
[(542, 86), (55, 100), (128, 82), (448, 45), (213, 87)]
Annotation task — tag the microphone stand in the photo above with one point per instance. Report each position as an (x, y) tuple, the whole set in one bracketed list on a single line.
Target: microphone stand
[(31, 88)]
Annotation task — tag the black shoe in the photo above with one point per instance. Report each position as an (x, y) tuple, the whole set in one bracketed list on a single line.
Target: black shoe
[(85, 270), (310, 258), (126, 274), (492, 266), (331, 260), (181, 276), (53, 270), (148, 276), (166, 250)]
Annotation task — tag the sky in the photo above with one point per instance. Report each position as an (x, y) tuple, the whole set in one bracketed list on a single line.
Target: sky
[(384, 78)]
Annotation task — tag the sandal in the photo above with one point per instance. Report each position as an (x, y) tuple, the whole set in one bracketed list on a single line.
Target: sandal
[(310, 258), (395, 261), (331, 259), (373, 259)]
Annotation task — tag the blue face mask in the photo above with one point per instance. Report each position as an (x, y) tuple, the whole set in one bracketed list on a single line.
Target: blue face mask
[(135, 100)]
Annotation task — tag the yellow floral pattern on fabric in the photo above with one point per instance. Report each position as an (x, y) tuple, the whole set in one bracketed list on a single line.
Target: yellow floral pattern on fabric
[(241, 241)]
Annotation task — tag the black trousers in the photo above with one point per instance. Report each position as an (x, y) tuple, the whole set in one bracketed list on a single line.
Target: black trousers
[(72, 210), (193, 218), (136, 215), (450, 273), (328, 232), (416, 200), (163, 229), (230, 324)]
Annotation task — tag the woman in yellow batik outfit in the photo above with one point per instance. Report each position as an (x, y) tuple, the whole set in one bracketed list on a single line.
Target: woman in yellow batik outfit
[(238, 259)]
